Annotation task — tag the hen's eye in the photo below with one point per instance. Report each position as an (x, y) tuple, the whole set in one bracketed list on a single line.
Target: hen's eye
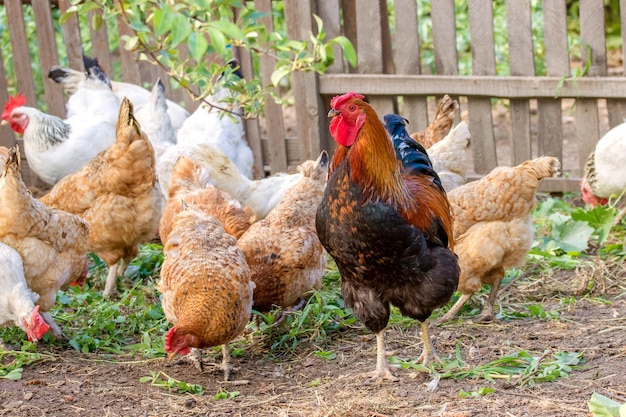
[(352, 107)]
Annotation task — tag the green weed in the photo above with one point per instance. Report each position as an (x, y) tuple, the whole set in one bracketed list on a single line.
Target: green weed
[(601, 406), (162, 380), (12, 362)]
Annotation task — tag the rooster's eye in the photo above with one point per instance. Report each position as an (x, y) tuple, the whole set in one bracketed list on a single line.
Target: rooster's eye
[(352, 107)]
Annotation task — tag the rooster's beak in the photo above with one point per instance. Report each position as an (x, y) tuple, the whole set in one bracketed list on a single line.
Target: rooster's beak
[(4, 123), (333, 113)]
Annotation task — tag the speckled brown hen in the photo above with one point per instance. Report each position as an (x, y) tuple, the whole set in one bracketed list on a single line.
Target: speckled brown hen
[(51, 242), (115, 192), (206, 286), (190, 184), (283, 251), (440, 126)]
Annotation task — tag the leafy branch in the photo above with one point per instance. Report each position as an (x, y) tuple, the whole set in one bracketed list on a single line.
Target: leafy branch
[(192, 40)]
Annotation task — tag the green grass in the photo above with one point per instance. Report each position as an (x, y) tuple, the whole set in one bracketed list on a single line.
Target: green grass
[(133, 323)]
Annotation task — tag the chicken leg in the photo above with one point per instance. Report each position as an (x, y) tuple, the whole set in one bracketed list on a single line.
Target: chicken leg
[(382, 367), (115, 270), (54, 328), (428, 354), (454, 310), (488, 313)]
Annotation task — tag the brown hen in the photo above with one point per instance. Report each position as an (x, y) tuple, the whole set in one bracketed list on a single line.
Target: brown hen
[(51, 242), (440, 126), (189, 184), (283, 251), (493, 231), (115, 192), (206, 286)]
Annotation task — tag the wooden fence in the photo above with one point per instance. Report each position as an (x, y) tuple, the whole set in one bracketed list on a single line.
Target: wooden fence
[(391, 73)]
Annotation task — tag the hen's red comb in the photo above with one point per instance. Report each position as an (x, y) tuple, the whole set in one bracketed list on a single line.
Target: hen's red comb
[(14, 102), (339, 100)]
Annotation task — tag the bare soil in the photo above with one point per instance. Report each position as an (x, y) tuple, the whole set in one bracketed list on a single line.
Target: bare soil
[(303, 384)]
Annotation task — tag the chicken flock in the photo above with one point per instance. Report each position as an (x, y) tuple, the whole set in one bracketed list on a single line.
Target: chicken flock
[(392, 209)]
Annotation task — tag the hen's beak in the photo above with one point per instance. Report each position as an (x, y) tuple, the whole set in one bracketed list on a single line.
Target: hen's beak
[(4, 123), (333, 113), (171, 355)]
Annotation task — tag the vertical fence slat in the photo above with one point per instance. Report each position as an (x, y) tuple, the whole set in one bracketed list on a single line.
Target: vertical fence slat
[(370, 48), (521, 62), (444, 37), (349, 9), (127, 58), (274, 115), (328, 11), (298, 17), (71, 38), (7, 137), (21, 56), (617, 108), (48, 56), (482, 142), (407, 59), (100, 44), (549, 113), (587, 118)]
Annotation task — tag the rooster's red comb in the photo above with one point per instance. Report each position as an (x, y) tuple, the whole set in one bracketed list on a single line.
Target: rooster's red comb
[(339, 100), (13, 102)]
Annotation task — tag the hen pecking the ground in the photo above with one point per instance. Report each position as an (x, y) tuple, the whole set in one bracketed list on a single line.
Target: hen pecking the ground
[(51, 242), (206, 286), (388, 230)]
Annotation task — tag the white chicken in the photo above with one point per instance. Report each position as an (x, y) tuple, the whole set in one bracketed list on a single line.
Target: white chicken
[(155, 121), (449, 157), (55, 147), (17, 301)]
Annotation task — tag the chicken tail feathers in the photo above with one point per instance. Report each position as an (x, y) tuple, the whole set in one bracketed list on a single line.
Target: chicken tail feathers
[(545, 166), (13, 163), (95, 71), (414, 157)]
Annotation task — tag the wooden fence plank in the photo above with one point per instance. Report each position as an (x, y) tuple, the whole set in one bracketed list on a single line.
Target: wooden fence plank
[(7, 137), (48, 57), (444, 37), (328, 11), (482, 142), (21, 56), (298, 16), (479, 86), (370, 49), (592, 35), (128, 60), (349, 9), (407, 59), (521, 59), (549, 113), (277, 155), (71, 38), (100, 44), (617, 108)]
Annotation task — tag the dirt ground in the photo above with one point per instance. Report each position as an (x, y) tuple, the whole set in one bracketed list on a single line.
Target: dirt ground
[(303, 384)]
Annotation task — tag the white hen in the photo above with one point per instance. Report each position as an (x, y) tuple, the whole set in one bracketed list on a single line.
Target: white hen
[(449, 157), (155, 121), (17, 301)]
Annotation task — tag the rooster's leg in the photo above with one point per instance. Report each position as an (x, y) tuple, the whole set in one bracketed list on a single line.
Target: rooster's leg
[(428, 354), (488, 313), (54, 328), (382, 367), (454, 310)]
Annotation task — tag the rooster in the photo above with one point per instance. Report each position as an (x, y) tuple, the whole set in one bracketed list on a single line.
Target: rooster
[(17, 301), (493, 230), (55, 147), (206, 286), (605, 172), (115, 193), (388, 230)]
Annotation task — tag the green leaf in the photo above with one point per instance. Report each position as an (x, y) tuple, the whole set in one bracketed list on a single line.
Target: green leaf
[(601, 218), (197, 45), (218, 40), (228, 28), (601, 406), (162, 19), (181, 29), (278, 75), (349, 53)]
